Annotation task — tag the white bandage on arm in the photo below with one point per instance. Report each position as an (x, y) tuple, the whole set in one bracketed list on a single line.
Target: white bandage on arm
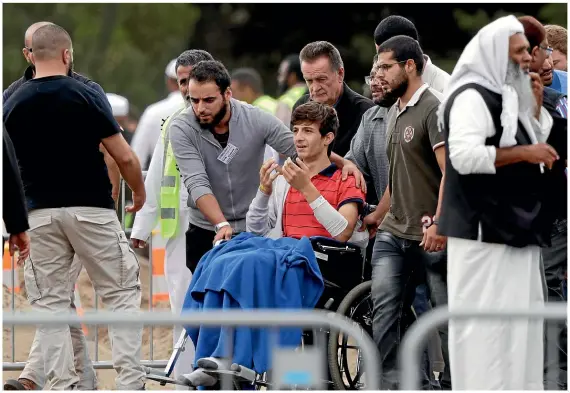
[(328, 216)]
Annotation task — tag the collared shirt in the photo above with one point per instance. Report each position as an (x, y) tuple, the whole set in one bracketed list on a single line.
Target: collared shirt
[(231, 174), (434, 76), (148, 129), (299, 219), (368, 151), (415, 176)]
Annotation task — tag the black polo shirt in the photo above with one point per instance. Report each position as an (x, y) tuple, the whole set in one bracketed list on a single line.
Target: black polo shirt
[(349, 108), (56, 124)]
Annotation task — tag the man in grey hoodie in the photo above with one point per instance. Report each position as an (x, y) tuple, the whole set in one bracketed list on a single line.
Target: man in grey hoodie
[(219, 144)]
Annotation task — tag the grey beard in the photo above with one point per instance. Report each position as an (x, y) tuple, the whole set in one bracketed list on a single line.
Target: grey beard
[(521, 82)]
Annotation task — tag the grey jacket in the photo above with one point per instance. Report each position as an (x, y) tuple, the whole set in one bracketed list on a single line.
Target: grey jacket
[(233, 184)]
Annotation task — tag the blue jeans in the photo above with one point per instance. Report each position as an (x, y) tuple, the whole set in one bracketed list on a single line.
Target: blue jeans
[(396, 265)]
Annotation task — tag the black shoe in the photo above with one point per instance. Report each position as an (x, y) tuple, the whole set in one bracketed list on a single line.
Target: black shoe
[(20, 384)]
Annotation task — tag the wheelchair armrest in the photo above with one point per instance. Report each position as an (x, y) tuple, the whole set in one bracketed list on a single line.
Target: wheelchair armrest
[(327, 243)]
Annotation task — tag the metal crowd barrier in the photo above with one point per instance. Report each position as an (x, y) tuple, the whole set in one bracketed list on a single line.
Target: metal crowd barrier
[(257, 318), (414, 340), (97, 364)]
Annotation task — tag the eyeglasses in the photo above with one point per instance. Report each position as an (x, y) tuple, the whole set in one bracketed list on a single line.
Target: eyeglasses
[(386, 67), (547, 49), (369, 79)]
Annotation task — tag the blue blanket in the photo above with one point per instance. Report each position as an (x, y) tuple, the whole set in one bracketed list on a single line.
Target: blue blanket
[(248, 273)]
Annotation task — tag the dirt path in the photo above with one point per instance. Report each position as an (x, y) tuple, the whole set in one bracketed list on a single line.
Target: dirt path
[(24, 335)]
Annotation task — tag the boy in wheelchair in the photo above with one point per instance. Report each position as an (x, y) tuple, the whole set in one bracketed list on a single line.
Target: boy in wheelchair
[(306, 198)]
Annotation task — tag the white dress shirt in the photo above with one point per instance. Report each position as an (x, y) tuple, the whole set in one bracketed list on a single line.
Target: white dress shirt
[(434, 76)]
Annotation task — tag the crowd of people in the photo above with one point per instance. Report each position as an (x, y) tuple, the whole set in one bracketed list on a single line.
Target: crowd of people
[(468, 172)]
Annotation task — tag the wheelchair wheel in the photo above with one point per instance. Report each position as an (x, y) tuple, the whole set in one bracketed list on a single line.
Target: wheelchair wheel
[(357, 305)]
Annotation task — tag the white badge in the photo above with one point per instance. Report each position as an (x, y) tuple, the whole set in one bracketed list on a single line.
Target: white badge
[(228, 153)]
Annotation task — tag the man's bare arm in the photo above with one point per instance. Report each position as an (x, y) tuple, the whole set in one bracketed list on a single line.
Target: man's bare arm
[(113, 172), (210, 208), (127, 161)]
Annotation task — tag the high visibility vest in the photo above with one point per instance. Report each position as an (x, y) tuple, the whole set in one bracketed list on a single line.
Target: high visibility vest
[(169, 186), (266, 103), (292, 95)]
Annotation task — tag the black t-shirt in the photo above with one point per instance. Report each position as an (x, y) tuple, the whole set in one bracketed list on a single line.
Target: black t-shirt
[(56, 124)]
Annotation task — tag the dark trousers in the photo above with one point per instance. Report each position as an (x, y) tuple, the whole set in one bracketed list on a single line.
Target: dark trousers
[(555, 260), (396, 265), (198, 242)]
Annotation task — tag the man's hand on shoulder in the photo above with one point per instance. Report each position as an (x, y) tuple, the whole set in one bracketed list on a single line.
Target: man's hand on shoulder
[(350, 168)]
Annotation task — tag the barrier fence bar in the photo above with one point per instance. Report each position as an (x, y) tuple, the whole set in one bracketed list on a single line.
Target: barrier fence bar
[(254, 318), (414, 340)]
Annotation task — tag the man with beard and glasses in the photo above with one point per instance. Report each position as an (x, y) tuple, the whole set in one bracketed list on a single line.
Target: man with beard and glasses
[(407, 241), (71, 211), (493, 208), (219, 143), (368, 152), (555, 257)]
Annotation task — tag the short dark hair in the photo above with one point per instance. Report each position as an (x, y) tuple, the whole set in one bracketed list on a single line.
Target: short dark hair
[(294, 65), (317, 49), (191, 57), (249, 77), (49, 40), (211, 71), (533, 30), (404, 48), (392, 26), (313, 111)]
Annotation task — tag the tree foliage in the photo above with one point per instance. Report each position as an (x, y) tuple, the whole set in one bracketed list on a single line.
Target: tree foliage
[(125, 47)]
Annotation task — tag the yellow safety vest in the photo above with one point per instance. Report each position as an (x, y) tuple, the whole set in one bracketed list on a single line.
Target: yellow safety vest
[(266, 103), (170, 186), (292, 95)]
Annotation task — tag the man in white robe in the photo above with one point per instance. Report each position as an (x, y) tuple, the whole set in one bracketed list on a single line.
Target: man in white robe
[(495, 128)]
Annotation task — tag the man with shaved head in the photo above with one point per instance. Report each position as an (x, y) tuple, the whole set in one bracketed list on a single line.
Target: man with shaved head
[(33, 376), (71, 210)]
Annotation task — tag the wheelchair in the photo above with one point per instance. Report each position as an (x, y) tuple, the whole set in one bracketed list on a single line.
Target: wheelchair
[(346, 276)]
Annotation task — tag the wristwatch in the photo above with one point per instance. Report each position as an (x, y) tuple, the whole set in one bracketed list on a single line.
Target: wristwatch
[(435, 220), (221, 225)]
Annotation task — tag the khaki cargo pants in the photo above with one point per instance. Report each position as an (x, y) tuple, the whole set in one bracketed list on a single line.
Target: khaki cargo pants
[(34, 370), (95, 235)]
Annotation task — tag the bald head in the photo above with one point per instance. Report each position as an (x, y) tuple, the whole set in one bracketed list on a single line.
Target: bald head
[(30, 32), (51, 42)]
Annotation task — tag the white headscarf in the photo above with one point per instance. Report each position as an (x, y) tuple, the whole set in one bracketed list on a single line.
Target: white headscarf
[(484, 61)]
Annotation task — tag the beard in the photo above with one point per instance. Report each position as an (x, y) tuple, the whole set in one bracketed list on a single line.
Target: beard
[(217, 118), (390, 97), (70, 69), (386, 101), (521, 82)]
